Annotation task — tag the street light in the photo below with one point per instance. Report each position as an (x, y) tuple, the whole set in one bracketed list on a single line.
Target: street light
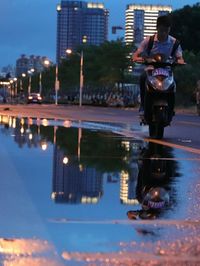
[(30, 72), (15, 87), (57, 85), (69, 51), (21, 82), (46, 63), (11, 89)]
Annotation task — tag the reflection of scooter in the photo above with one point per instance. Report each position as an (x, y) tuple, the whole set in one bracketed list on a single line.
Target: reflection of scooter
[(153, 190), (154, 201)]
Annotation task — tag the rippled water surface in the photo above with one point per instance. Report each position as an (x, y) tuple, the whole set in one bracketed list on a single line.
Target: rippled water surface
[(77, 193)]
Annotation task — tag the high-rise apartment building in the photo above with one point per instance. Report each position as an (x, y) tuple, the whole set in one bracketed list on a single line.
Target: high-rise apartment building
[(77, 20), (25, 63), (141, 21)]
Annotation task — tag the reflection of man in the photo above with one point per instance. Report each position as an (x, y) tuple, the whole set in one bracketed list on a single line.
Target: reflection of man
[(153, 202)]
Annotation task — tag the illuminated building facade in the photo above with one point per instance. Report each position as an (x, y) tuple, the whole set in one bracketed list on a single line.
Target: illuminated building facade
[(141, 21), (76, 20)]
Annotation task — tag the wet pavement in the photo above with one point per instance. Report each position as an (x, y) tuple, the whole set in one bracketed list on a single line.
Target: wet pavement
[(85, 193)]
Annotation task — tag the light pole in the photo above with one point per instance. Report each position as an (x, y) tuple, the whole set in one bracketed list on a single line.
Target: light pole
[(69, 51), (15, 87), (46, 63), (57, 85), (40, 83), (11, 89), (30, 72)]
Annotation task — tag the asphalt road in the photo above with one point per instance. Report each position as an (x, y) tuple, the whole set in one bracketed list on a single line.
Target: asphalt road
[(183, 133)]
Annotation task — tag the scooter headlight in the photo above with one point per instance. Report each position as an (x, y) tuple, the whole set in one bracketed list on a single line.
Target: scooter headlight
[(167, 82), (160, 83), (155, 83)]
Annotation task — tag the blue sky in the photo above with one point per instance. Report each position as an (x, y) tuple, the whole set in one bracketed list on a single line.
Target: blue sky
[(29, 26)]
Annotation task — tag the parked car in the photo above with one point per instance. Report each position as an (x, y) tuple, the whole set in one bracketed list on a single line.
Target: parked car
[(34, 98)]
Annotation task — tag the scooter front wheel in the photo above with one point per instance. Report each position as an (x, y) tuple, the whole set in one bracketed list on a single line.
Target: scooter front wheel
[(156, 131)]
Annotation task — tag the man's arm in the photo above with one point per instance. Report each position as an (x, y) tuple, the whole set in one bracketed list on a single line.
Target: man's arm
[(137, 56), (179, 55)]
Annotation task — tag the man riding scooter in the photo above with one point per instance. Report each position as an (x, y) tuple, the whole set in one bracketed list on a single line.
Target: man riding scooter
[(160, 43)]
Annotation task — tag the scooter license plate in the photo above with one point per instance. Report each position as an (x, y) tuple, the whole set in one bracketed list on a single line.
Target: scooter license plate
[(160, 72)]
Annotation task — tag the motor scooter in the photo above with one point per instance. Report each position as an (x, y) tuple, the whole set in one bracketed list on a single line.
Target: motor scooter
[(160, 91)]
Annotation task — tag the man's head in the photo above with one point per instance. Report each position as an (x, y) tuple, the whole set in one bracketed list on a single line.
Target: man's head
[(163, 27)]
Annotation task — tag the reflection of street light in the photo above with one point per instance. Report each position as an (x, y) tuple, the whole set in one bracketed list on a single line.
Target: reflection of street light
[(79, 142), (46, 63), (43, 145), (69, 51), (65, 160), (30, 72), (81, 79)]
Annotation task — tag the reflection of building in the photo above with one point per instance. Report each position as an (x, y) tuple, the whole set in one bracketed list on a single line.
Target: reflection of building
[(24, 133), (72, 184), (128, 182), (76, 19), (141, 21)]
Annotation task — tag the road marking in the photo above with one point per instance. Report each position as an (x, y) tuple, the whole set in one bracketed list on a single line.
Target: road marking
[(173, 145), (188, 123), (166, 222)]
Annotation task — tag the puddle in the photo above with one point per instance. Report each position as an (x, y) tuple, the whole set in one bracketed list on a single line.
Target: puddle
[(71, 184)]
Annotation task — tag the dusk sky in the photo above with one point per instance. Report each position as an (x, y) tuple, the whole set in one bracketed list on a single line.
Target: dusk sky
[(29, 26)]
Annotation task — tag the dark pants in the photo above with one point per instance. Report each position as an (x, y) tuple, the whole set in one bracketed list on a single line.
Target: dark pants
[(143, 78)]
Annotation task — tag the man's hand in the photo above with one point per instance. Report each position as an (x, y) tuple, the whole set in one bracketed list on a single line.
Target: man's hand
[(181, 61), (149, 60), (138, 59)]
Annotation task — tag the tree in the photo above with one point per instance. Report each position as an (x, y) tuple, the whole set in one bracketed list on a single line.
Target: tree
[(186, 27), (104, 65), (186, 78)]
